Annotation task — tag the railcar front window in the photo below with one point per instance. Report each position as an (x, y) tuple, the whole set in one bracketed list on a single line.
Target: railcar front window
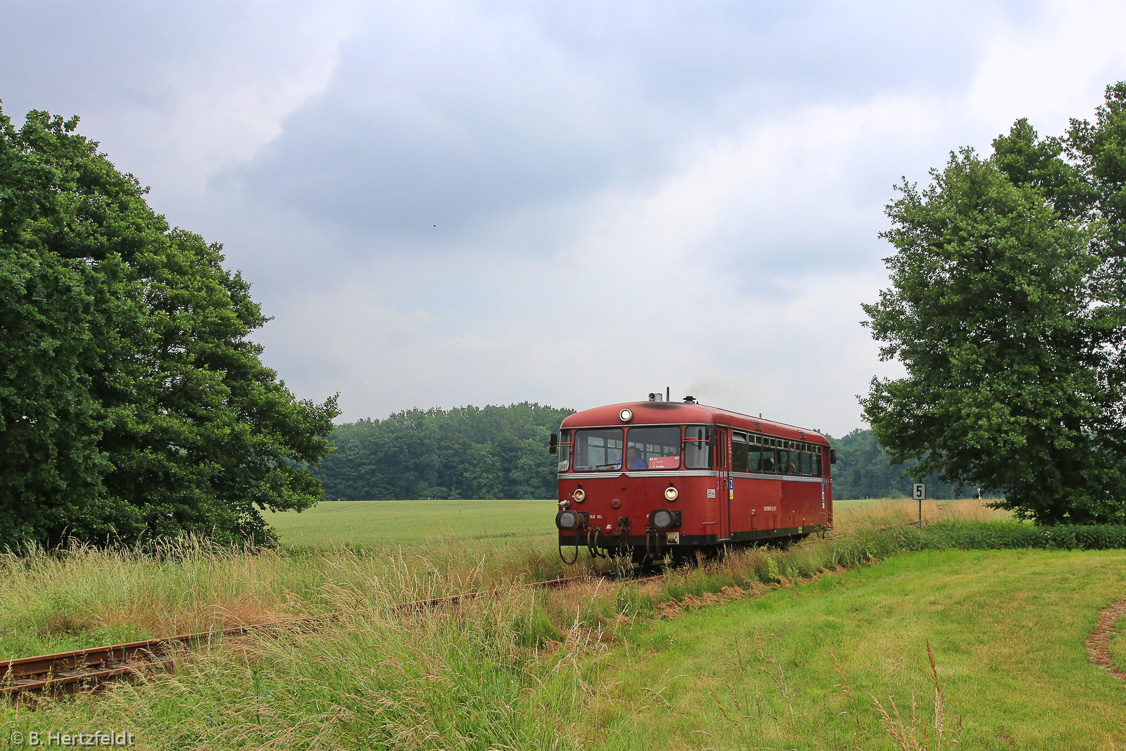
[(598, 449), (653, 448), (697, 453)]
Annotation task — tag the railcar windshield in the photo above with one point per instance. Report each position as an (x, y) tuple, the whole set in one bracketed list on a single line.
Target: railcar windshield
[(598, 449), (656, 447), (698, 449)]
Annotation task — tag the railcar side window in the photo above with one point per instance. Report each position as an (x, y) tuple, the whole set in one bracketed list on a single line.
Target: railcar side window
[(754, 461), (740, 452), (697, 453), (653, 448), (769, 460), (817, 461), (806, 461), (598, 449)]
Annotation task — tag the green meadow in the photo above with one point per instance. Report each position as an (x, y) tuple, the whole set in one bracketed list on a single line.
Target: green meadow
[(381, 524), (412, 524)]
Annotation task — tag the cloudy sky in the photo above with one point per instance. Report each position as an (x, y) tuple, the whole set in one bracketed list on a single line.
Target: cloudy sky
[(448, 203)]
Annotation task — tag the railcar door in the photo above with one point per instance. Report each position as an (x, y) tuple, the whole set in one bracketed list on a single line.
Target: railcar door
[(725, 489)]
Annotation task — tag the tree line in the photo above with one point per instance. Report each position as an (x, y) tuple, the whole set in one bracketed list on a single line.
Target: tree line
[(501, 452), (465, 452), (864, 470)]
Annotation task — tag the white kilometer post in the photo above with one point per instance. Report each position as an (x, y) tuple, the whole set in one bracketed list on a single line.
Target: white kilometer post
[(919, 494)]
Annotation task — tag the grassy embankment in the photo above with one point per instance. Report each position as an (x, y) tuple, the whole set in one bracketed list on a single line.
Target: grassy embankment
[(404, 549), (599, 665)]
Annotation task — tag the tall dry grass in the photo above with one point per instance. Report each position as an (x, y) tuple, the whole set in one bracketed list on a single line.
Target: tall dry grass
[(83, 596), (461, 678), (892, 512)]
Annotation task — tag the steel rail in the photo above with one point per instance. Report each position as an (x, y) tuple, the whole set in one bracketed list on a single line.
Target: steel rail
[(70, 671), (67, 670)]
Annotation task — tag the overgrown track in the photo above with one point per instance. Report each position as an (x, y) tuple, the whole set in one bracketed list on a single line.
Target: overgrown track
[(67, 672)]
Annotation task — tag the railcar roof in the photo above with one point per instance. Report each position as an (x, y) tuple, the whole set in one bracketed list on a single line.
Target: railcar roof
[(657, 413)]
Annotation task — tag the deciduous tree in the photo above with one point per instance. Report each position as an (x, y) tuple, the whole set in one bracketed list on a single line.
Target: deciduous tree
[(1006, 309), (133, 405)]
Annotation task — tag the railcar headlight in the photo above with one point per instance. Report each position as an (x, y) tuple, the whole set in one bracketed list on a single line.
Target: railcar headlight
[(671, 493), (567, 519), (664, 518), (626, 415), (579, 495)]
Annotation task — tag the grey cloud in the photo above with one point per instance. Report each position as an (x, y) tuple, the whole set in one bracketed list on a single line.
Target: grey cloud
[(509, 125), (460, 118), (78, 57), (696, 54), (444, 131)]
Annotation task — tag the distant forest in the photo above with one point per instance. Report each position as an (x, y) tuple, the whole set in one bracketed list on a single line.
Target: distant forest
[(466, 452), (501, 452)]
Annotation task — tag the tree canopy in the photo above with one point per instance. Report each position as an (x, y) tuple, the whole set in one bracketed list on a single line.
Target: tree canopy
[(1006, 309), (864, 470), (465, 452), (132, 403)]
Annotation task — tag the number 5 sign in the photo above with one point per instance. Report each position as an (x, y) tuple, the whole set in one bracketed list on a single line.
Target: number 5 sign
[(919, 493)]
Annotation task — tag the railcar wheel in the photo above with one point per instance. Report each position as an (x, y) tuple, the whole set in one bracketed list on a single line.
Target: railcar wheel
[(641, 560), (715, 552), (686, 558)]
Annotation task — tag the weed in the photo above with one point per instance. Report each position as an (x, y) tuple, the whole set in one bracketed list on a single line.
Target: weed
[(915, 734)]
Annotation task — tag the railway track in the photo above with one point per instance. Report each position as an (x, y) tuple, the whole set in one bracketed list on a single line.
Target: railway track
[(68, 672)]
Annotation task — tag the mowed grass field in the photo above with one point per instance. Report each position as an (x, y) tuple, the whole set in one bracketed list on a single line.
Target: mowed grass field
[(804, 667)]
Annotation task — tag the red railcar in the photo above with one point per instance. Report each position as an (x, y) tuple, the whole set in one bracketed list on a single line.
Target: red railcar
[(663, 478)]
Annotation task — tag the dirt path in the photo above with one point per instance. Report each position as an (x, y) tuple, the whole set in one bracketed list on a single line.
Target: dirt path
[(1098, 643)]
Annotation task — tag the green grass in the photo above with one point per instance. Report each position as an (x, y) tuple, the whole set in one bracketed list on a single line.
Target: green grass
[(392, 524), (793, 667), (802, 667), (1118, 645), (676, 664)]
